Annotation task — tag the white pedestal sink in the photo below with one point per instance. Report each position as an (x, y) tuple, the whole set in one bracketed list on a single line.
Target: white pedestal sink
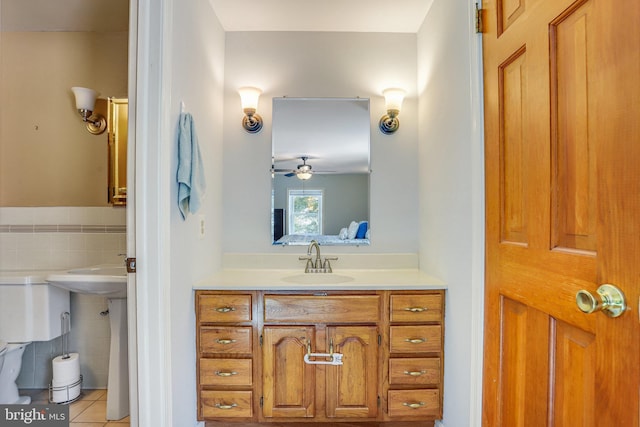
[(110, 281)]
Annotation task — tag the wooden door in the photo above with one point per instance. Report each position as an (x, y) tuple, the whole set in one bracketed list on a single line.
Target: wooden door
[(352, 388), (288, 383), (562, 131)]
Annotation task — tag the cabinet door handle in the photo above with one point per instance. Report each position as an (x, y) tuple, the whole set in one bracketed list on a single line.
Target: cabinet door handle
[(225, 309), (414, 373), (226, 374), (224, 406), (416, 309), (225, 341), (416, 340), (413, 405)]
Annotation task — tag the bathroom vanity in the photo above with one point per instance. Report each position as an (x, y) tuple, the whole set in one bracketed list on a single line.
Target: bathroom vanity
[(363, 350)]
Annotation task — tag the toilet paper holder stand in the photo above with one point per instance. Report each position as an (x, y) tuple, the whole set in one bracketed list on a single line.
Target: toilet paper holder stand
[(65, 328)]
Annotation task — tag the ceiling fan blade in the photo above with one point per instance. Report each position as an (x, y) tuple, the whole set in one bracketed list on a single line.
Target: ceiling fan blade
[(290, 174)]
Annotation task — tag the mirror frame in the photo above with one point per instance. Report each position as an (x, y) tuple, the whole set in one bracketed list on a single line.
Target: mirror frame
[(117, 125)]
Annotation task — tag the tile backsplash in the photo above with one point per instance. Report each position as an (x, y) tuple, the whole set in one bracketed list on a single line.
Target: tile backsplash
[(58, 238)]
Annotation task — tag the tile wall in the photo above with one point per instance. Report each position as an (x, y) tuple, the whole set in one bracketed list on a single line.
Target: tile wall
[(58, 238)]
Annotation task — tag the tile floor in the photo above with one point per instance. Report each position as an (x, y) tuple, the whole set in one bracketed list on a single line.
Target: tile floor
[(88, 411)]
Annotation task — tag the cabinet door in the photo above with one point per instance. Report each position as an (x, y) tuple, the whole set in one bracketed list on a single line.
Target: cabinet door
[(288, 382), (352, 387)]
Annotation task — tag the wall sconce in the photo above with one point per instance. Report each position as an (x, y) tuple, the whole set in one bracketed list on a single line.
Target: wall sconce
[(389, 123), (85, 102), (251, 122)]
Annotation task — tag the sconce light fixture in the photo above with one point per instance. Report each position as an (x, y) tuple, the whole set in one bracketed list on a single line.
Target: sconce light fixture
[(85, 102), (389, 123), (251, 122)]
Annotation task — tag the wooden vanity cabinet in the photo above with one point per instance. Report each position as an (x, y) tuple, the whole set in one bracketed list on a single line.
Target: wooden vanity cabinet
[(328, 323), (416, 334), (226, 339), (252, 345)]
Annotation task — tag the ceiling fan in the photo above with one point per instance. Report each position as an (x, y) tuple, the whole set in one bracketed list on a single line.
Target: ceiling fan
[(303, 171)]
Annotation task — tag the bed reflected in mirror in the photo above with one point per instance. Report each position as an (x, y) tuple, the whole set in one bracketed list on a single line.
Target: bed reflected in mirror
[(320, 170)]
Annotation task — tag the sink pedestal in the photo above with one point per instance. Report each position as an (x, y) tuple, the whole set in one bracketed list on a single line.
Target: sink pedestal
[(118, 382)]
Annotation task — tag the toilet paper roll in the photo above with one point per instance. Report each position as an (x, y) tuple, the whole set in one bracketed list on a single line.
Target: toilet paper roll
[(65, 394), (66, 371)]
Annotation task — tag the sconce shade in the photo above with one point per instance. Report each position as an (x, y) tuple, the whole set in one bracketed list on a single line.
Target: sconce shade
[(85, 98), (249, 96), (85, 103), (393, 98)]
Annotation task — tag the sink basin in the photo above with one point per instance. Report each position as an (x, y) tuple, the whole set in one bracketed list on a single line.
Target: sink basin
[(317, 279), (108, 280)]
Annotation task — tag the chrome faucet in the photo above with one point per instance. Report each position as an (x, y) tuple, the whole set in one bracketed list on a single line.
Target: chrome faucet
[(316, 266)]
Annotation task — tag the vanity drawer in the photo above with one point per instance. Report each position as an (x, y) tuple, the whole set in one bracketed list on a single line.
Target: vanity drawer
[(322, 308), (226, 404), (218, 372), (224, 308), (225, 340), (414, 403), (414, 371), (416, 339), (416, 308)]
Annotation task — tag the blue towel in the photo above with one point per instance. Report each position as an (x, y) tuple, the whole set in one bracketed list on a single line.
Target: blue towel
[(191, 182)]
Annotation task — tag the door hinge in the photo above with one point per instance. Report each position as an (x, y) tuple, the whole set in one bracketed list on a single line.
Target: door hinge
[(261, 401), (260, 340), (378, 401), (379, 340), (131, 265), (478, 19)]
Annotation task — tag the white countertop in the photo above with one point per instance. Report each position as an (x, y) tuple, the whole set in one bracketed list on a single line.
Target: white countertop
[(340, 279)]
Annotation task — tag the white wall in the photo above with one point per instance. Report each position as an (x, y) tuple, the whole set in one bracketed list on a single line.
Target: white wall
[(197, 49), (323, 64), (451, 193)]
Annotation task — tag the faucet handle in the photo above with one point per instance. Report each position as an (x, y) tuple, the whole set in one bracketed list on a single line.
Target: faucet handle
[(309, 265), (327, 265)]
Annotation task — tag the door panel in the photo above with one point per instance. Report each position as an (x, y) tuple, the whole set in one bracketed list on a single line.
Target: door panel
[(562, 148), (288, 382), (573, 362), (573, 155), (352, 387)]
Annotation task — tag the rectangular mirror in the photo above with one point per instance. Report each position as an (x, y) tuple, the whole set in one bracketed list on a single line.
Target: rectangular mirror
[(320, 170), (117, 125)]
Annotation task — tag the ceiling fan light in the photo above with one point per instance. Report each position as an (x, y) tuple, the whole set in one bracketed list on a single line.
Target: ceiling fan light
[(304, 175)]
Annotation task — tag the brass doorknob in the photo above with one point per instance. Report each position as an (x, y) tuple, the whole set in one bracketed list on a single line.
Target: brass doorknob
[(610, 300)]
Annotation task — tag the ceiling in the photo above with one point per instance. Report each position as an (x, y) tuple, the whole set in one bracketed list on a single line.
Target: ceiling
[(382, 16), (399, 16)]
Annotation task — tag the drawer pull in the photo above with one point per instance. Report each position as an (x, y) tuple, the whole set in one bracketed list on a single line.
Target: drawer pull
[(413, 405), (416, 340), (415, 373), (416, 309), (223, 406), (226, 374), (225, 309), (225, 341)]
